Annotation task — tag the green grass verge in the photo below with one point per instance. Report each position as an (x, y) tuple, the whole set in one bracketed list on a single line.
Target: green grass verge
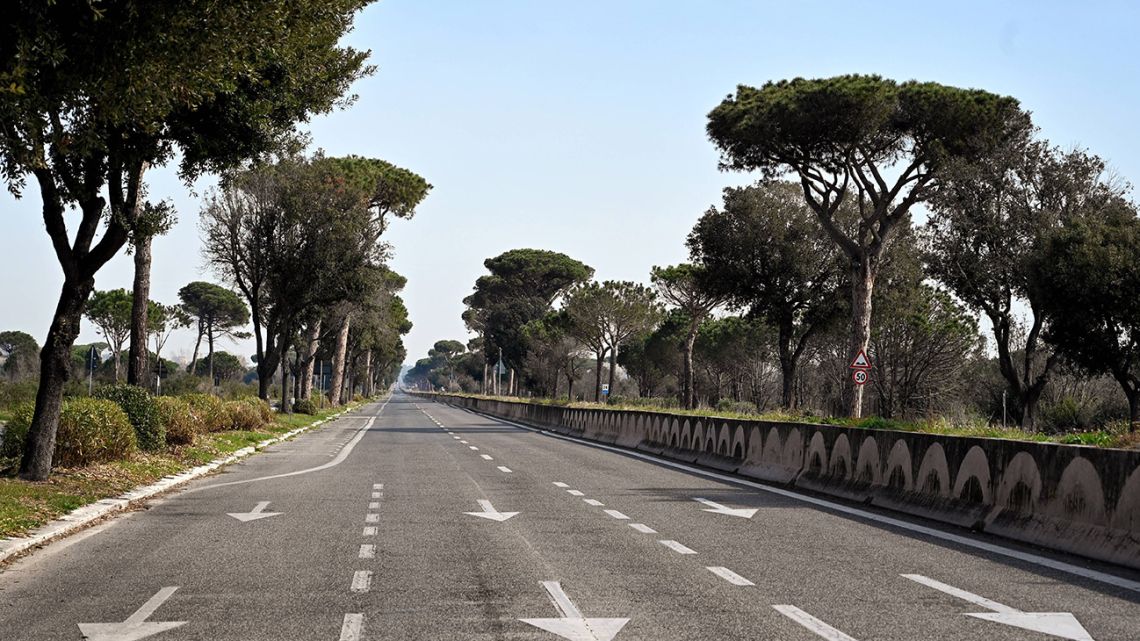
[(25, 505), (1113, 436)]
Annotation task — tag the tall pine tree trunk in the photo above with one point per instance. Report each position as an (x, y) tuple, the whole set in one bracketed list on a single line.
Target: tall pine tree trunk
[(55, 370), (688, 394), (137, 359), (863, 275), (310, 361), (338, 361)]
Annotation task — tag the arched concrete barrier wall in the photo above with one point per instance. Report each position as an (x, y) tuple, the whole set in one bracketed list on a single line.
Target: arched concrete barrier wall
[(1076, 499)]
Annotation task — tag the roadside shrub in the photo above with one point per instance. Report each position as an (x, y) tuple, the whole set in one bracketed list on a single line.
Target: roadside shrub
[(180, 423), (263, 409), (17, 393), (243, 416), (17, 430), (305, 406), (142, 412), (209, 412), (91, 430), (736, 407)]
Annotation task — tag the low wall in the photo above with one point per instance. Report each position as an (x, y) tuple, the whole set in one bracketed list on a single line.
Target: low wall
[(1077, 499)]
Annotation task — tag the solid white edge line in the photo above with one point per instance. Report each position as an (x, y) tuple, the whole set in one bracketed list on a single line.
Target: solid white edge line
[(677, 547), (820, 628), (729, 575), (1033, 559), (352, 627)]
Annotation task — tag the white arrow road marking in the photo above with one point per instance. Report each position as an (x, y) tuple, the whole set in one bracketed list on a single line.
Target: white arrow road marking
[(820, 628), (136, 626), (729, 575), (489, 512), (677, 547), (352, 627), (717, 508), (361, 580), (1058, 624), (258, 512), (505, 469), (644, 529), (617, 515), (571, 624)]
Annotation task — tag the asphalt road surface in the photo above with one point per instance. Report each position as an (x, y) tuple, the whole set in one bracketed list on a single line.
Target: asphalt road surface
[(415, 520)]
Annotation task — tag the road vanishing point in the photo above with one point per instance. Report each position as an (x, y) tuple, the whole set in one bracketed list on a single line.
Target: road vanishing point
[(412, 519)]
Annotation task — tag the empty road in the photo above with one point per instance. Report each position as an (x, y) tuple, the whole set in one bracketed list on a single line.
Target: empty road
[(416, 520)]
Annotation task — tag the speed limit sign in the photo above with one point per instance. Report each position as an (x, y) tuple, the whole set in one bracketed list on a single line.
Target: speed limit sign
[(859, 376)]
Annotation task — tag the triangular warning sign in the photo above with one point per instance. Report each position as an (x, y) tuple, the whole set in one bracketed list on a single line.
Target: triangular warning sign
[(861, 361)]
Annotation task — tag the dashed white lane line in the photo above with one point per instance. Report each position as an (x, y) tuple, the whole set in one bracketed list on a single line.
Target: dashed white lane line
[(372, 518), (375, 505), (362, 581), (594, 502), (486, 457), (617, 515), (456, 437), (677, 547), (820, 628), (352, 627), (643, 528), (504, 469), (560, 484), (462, 441), (576, 493), (377, 486), (729, 575), (368, 531), (377, 495), (472, 447), (367, 551)]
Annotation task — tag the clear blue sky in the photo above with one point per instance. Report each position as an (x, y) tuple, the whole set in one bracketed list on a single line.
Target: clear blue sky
[(579, 126)]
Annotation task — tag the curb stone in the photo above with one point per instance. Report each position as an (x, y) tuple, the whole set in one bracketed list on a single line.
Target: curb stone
[(82, 517)]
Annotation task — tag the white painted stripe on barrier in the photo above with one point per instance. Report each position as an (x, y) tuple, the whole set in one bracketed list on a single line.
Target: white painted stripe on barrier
[(991, 548), (361, 581), (643, 528), (617, 515), (677, 547), (820, 628), (352, 627), (729, 575)]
